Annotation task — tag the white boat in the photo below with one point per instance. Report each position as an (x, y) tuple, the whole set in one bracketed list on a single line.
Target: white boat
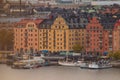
[(65, 63), (30, 63), (84, 65), (31, 66), (94, 65)]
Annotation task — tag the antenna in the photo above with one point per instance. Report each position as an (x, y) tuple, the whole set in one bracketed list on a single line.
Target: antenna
[(20, 7)]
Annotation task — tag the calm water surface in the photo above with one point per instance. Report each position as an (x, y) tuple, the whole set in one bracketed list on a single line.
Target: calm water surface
[(58, 73)]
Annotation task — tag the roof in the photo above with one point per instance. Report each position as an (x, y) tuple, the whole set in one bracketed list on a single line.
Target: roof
[(25, 21)]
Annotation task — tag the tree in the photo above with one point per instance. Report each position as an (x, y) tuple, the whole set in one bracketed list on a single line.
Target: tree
[(77, 48), (115, 55), (6, 39)]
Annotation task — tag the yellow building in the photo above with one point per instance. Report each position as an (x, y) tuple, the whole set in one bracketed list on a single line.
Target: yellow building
[(26, 36), (57, 35)]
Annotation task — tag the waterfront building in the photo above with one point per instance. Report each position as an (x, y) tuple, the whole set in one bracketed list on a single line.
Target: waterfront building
[(59, 35), (94, 36), (116, 36), (54, 34), (90, 27), (26, 36)]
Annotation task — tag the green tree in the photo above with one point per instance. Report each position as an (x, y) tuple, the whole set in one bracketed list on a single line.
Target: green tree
[(6, 39), (114, 55), (77, 48)]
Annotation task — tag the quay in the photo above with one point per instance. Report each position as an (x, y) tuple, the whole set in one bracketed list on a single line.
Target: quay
[(53, 60), (115, 64)]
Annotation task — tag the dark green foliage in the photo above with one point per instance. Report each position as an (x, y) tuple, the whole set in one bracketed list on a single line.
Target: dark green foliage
[(77, 48), (6, 39), (115, 55)]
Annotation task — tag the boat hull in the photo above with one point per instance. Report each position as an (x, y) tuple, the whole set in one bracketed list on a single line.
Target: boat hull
[(72, 64), (99, 67), (95, 66)]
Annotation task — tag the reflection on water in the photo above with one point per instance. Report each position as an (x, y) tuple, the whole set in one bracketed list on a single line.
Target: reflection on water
[(58, 73)]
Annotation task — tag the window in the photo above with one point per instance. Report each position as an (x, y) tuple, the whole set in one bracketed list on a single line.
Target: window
[(49, 43), (55, 26), (59, 27), (35, 39)]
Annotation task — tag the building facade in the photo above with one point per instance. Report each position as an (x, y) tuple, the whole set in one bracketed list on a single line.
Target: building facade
[(26, 36), (94, 36), (116, 36), (59, 36), (54, 36), (61, 33)]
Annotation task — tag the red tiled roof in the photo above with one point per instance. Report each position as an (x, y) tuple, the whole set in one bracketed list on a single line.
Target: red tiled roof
[(25, 21)]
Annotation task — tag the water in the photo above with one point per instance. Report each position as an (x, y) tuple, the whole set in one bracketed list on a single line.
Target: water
[(58, 73)]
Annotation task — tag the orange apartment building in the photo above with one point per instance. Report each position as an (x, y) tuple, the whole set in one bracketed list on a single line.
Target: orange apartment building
[(26, 36), (59, 36), (50, 34)]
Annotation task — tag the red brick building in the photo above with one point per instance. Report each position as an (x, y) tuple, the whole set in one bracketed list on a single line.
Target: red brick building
[(116, 36), (94, 36)]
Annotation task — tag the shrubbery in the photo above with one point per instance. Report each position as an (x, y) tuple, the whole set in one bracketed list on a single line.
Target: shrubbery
[(115, 55)]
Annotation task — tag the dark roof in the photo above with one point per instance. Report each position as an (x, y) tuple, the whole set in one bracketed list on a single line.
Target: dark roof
[(79, 18), (108, 20)]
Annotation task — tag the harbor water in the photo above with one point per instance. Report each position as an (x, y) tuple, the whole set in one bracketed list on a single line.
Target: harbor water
[(58, 73)]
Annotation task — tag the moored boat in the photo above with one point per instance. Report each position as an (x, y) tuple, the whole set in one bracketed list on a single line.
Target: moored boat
[(27, 64), (84, 65), (65, 63), (94, 65)]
